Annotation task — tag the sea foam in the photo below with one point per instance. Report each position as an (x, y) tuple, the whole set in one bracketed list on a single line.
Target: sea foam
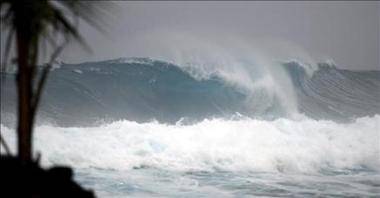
[(282, 145)]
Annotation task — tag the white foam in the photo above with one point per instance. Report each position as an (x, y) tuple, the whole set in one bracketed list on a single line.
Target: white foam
[(133, 60), (78, 71), (239, 145)]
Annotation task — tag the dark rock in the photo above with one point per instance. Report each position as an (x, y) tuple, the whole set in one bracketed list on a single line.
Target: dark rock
[(30, 180)]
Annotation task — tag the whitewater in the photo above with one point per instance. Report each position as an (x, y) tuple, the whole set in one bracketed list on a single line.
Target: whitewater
[(217, 157)]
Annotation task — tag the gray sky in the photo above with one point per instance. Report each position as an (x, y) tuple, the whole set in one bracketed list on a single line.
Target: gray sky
[(347, 32)]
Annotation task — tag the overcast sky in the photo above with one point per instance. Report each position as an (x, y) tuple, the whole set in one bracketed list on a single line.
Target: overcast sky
[(347, 32)]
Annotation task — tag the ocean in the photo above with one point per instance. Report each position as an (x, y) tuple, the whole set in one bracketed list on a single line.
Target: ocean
[(142, 127)]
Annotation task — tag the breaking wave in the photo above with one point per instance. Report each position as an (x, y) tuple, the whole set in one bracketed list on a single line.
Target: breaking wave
[(144, 89)]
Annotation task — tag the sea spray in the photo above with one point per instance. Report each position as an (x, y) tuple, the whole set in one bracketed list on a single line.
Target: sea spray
[(240, 62)]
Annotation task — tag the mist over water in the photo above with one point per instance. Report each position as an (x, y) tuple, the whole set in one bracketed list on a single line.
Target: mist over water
[(247, 63)]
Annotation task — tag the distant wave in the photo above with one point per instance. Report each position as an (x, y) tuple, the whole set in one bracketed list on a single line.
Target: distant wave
[(144, 89), (336, 94)]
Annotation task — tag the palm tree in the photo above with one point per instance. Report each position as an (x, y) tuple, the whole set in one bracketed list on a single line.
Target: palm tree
[(30, 24)]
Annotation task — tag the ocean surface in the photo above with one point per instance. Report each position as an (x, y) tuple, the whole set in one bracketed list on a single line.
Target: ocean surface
[(142, 127)]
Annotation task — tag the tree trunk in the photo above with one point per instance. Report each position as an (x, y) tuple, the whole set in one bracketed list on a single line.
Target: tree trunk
[(24, 90)]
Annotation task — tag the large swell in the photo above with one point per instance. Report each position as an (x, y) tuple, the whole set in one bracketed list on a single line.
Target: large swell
[(282, 145), (143, 89)]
